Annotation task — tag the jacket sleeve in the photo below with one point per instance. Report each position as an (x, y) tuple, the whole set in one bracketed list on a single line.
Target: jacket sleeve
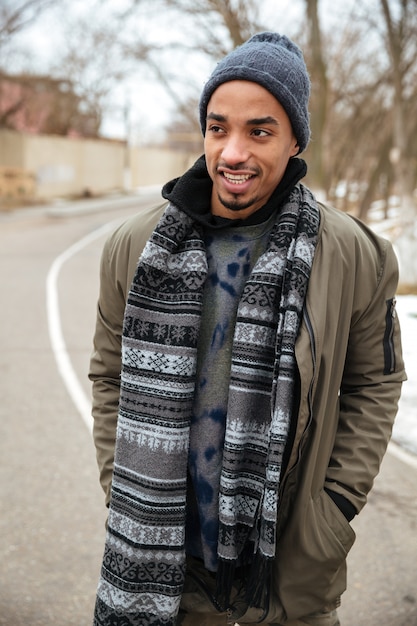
[(371, 386), (118, 264)]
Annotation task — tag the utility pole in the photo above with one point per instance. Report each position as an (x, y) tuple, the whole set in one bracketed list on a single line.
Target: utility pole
[(127, 173)]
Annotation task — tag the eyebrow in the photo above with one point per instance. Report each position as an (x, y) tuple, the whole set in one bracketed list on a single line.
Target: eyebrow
[(257, 121)]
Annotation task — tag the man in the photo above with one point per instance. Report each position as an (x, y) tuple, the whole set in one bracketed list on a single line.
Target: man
[(260, 366)]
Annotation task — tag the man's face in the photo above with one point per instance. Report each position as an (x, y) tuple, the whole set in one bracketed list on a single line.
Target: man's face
[(248, 143)]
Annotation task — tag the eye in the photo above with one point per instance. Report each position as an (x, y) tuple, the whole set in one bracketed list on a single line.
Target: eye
[(215, 128), (259, 132)]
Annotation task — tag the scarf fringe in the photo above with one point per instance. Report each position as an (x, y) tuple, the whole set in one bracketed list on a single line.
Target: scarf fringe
[(259, 583), (256, 581), (224, 582)]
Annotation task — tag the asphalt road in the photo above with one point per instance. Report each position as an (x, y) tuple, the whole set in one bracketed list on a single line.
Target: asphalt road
[(52, 513)]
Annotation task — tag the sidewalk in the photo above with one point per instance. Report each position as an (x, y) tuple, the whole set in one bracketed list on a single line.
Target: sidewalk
[(382, 587), (63, 207)]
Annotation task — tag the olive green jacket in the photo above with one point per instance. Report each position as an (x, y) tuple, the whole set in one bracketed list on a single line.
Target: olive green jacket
[(350, 366)]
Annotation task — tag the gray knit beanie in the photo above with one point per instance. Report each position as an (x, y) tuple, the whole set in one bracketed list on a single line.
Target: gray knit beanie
[(276, 63)]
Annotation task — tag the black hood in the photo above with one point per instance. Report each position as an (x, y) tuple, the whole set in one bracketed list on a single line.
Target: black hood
[(191, 193)]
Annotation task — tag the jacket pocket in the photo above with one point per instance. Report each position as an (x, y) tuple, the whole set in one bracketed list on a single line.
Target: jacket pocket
[(340, 530), (311, 558)]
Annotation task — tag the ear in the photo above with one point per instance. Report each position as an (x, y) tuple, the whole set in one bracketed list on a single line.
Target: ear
[(295, 148)]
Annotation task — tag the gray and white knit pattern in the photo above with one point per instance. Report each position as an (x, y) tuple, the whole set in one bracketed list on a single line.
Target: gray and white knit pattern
[(144, 562)]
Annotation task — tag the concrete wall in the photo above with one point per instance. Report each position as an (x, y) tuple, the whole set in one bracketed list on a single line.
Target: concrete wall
[(63, 166), (11, 149), (155, 166), (16, 184)]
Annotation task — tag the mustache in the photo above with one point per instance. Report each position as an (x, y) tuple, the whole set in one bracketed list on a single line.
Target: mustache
[(236, 167)]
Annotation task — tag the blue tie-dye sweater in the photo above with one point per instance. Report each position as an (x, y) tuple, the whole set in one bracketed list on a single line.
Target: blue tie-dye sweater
[(231, 254)]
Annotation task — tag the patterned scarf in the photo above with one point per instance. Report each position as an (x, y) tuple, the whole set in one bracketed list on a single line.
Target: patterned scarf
[(144, 561)]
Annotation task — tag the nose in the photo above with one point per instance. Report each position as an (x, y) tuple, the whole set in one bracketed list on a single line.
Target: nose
[(235, 149)]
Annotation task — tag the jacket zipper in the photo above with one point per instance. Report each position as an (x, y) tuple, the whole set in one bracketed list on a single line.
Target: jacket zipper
[(310, 331), (310, 389), (314, 359), (389, 352)]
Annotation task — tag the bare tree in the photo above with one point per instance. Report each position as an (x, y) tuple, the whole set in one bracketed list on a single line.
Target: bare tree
[(359, 133), (363, 105), (231, 22), (401, 36), (401, 33), (91, 60), (15, 16), (217, 25), (319, 99)]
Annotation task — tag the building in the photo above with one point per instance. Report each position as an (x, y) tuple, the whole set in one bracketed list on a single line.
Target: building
[(45, 105)]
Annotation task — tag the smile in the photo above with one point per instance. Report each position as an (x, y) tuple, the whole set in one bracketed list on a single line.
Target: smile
[(236, 179)]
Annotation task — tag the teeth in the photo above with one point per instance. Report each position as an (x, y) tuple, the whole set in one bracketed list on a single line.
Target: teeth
[(236, 178)]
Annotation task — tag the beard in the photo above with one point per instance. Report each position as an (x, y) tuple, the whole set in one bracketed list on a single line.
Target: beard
[(236, 204)]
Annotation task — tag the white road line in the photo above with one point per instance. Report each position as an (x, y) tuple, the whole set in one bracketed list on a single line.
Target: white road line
[(402, 454), (59, 348)]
